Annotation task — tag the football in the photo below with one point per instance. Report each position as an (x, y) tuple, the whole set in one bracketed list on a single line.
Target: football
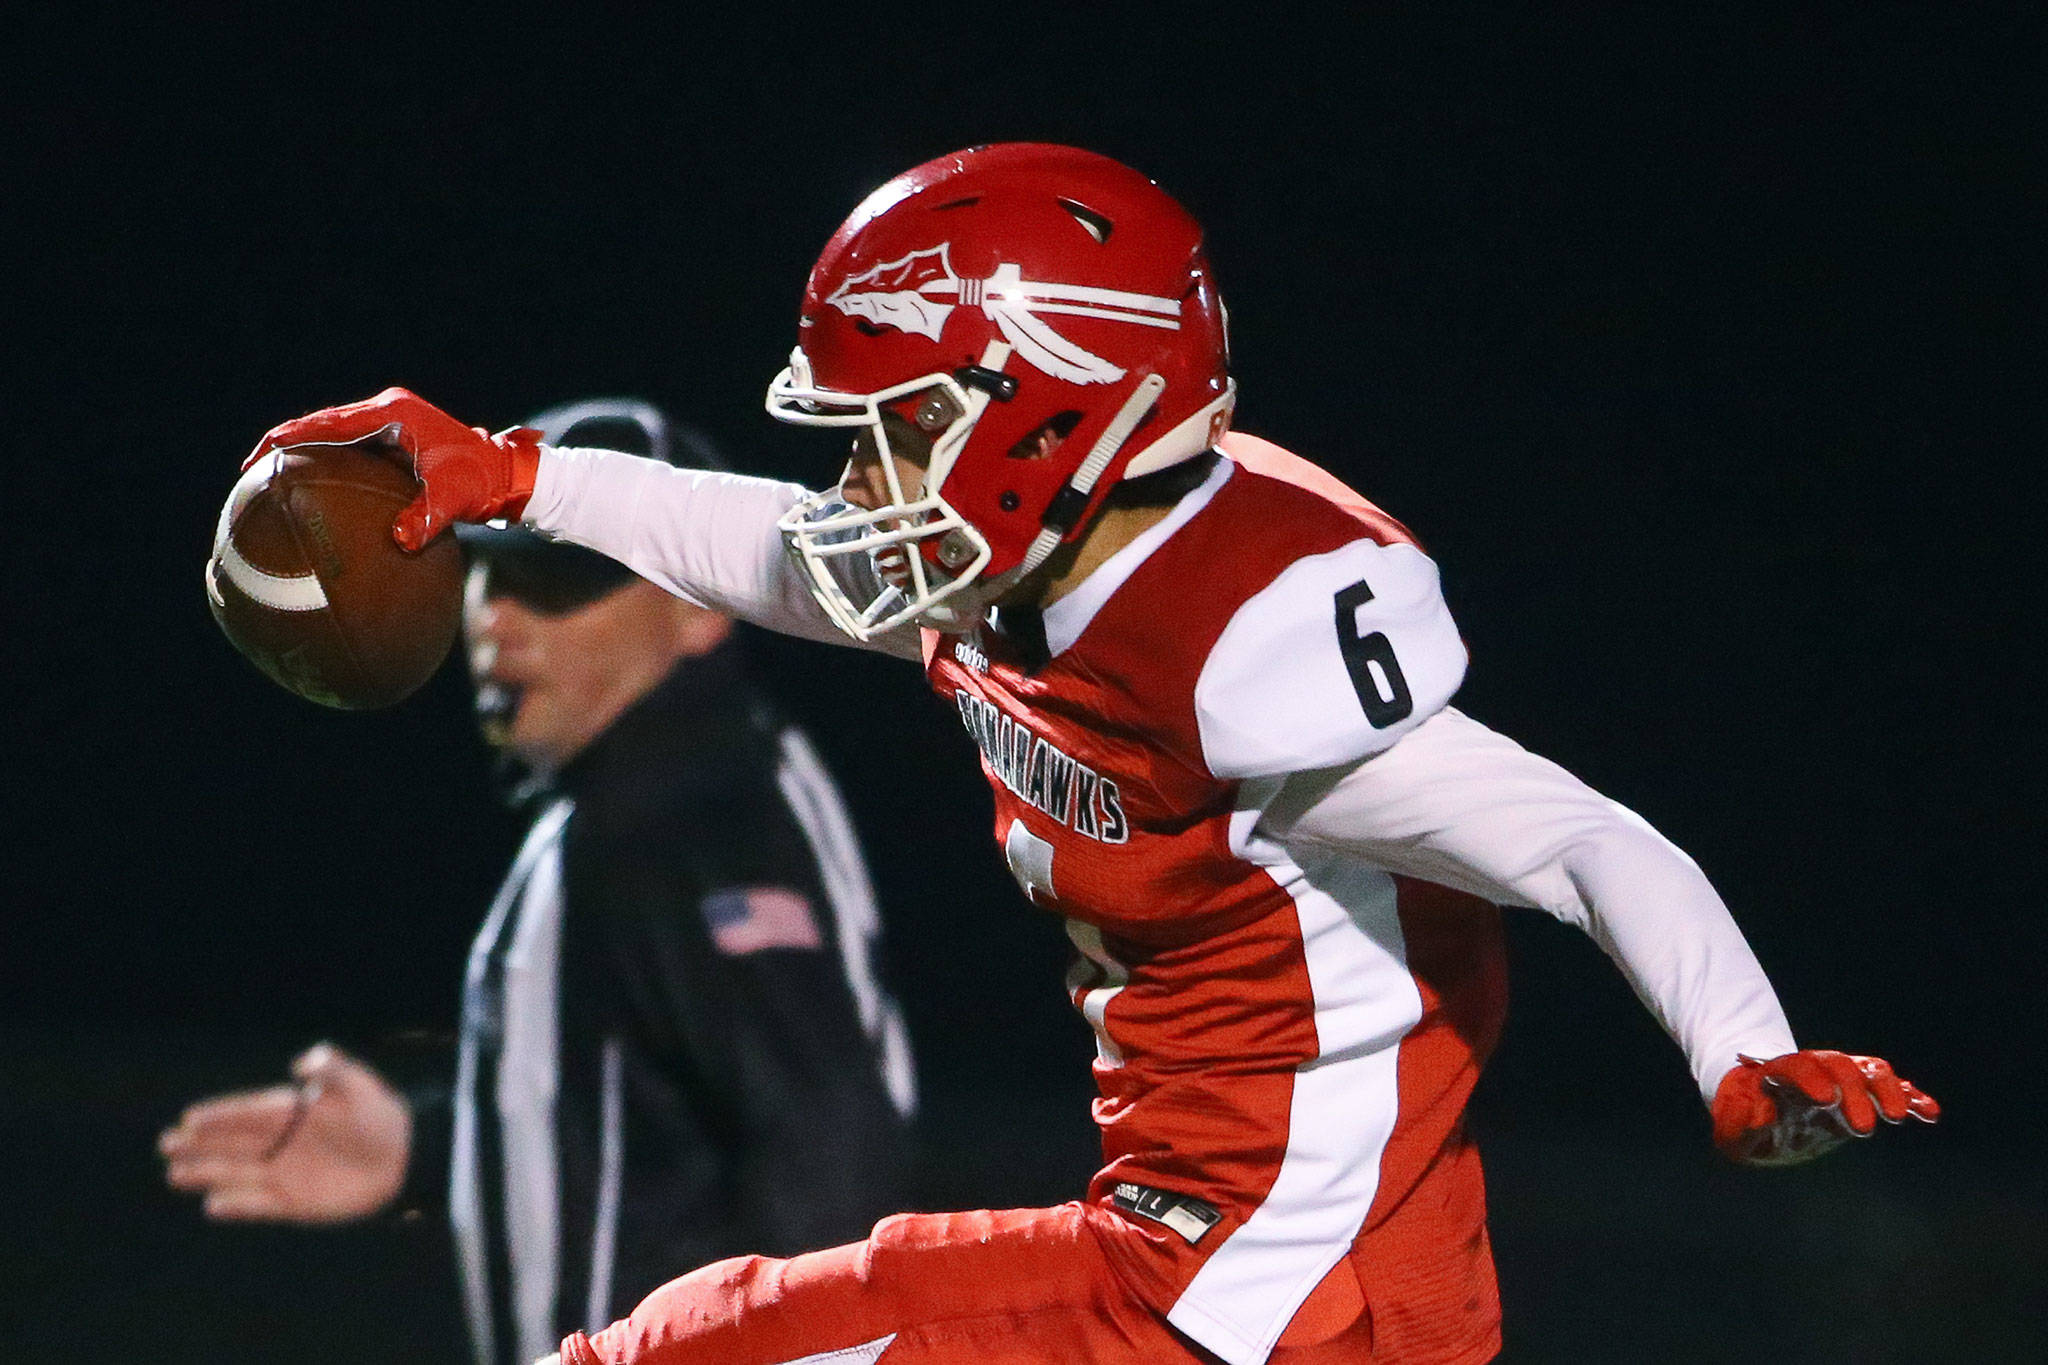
[(306, 581)]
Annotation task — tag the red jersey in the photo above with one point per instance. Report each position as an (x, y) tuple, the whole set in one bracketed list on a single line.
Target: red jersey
[(1289, 1037), (1290, 1003)]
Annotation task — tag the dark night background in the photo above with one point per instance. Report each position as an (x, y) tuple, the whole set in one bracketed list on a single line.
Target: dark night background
[(1690, 346)]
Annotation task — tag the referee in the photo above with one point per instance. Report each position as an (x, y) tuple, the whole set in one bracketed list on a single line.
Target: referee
[(674, 1047)]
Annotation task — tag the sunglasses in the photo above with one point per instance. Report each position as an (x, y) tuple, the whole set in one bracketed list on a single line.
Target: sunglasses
[(554, 584)]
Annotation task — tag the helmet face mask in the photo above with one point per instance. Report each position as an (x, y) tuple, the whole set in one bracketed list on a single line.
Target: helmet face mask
[(1047, 318), (915, 552)]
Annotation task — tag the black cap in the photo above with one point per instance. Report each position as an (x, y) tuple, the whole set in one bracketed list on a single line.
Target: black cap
[(556, 576)]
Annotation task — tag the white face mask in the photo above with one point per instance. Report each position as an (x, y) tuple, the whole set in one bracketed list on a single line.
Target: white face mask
[(867, 567)]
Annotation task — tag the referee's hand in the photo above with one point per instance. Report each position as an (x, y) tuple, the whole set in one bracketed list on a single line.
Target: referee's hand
[(329, 1148)]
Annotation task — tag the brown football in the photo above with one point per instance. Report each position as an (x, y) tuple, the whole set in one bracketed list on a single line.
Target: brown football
[(306, 580)]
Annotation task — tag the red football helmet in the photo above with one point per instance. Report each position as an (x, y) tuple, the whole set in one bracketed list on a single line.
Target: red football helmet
[(1047, 315)]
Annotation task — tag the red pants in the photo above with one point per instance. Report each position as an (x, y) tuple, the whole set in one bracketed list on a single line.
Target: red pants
[(1021, 1287)]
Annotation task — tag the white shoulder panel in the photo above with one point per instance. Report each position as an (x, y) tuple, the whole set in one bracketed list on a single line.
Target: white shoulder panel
[(1334, 660)]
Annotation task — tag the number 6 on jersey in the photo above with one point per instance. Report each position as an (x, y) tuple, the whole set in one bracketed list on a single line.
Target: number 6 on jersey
[(1369, 659)]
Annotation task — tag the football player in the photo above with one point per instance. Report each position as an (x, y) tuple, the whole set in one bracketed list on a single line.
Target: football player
[(1210, 686)]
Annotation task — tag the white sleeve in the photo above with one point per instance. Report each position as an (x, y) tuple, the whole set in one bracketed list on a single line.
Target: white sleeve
[(1457, 804), (705, 536), (1339, 656)]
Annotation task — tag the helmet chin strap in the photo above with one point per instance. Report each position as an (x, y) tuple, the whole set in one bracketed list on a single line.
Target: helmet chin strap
[(1067, 506), (966, 609)]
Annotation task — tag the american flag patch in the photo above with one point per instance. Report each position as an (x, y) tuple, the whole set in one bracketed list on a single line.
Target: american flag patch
[(746, 919)]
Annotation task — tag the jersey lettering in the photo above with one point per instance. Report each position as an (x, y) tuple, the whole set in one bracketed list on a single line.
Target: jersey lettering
[(1085, 783), (1114, 830), (1059, 781), (1044, 776)]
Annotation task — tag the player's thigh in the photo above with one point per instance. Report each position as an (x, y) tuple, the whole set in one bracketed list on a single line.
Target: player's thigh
[(1019, 1287)]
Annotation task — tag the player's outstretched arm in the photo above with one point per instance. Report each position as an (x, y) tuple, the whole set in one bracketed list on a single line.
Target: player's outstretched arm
[(1455, 803), (707, 536), (1789, 1109), (330, 1148)]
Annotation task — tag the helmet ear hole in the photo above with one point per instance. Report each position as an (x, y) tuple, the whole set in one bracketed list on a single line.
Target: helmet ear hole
[(1043, 439)]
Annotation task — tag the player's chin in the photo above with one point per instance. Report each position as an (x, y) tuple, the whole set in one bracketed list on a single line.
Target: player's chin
[(959, 612), (949, 619)]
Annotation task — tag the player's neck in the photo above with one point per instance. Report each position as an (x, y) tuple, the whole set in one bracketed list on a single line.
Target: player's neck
[(1070, 566)]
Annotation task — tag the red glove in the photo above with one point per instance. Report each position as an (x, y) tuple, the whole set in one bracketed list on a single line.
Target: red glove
[(467, 474), (1798, 1106)]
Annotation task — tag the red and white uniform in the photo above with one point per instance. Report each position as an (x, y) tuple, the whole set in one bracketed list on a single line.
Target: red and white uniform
[(1265, 1039), (1233, 771)]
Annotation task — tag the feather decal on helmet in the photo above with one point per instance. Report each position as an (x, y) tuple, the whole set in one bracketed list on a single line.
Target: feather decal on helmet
[(904, 294)]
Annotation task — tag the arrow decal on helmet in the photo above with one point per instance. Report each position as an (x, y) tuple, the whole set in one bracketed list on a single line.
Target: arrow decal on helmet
[(906, 293), (898, 298)]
